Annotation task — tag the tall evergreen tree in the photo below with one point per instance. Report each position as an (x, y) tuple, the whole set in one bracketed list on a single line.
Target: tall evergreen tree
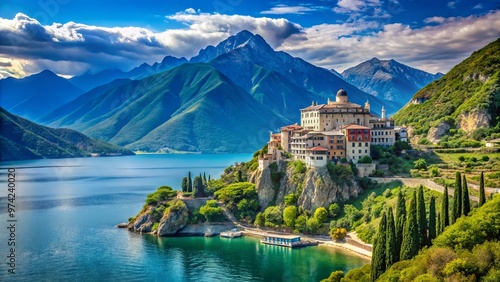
[(410, 244), (465, 197), (482, 194), (421, 217), (190, 183), (198, 188), (445, 216), (400, 222), (209, 178), (205, 179), (378, 257), (390, 240), (184, 185), (432, 220), (439, 229), (457, 198)]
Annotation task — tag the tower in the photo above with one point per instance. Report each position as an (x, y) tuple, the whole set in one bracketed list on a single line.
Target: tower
[(383, 112), (367, 105)]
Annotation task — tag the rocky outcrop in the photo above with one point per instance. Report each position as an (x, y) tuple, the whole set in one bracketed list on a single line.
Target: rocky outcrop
[(143, 222), (471, 121), (174, 219), (435, 133), (314, 187)]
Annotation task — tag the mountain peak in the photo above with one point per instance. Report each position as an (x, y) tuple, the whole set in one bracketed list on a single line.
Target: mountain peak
[(239, 40)]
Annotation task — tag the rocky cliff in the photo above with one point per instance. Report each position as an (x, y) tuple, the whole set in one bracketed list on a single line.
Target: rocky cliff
[(314, 187), (164, 219)]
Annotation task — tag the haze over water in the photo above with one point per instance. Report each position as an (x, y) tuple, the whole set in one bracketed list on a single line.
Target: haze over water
[(66, 210)]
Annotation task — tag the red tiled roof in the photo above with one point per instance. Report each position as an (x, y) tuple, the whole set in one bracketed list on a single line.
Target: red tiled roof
[(317, 148), (354, 126)]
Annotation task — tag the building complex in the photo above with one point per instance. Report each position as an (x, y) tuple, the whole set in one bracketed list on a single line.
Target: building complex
[(331, 132)]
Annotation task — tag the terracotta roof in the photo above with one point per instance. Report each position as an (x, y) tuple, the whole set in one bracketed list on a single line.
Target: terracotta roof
[(291, 127), (317, 148), (354, 126)]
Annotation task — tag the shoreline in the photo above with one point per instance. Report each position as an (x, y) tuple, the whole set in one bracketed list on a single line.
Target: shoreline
[(321, 242)]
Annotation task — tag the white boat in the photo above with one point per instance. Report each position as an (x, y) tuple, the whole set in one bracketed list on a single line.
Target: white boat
[(233, 233)]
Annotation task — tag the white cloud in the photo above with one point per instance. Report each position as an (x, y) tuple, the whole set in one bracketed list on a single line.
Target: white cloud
[(351, 5), (434, 20), (478, 6), (452, 4), (431, 48), (190, 11), (95, 48), (282, 9)]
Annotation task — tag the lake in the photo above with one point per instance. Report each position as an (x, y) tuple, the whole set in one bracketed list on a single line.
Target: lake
[(67, 209)]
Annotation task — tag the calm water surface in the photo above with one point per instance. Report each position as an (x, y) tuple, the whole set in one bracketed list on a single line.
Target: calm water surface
[(66, 210)]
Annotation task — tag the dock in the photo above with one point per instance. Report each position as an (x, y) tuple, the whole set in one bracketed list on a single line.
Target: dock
[(290, 241)]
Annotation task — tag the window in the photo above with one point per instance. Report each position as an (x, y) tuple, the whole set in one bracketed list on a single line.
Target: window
[(359, 151), (366, 151), (353, 151), (354, 144), (366, 144), (360, 145)]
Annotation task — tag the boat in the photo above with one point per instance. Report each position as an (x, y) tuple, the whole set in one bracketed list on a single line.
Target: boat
[(233, 233)]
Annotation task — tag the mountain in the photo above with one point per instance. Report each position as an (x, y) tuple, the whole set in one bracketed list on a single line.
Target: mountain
[(192, 107), (388, 79), (89, 81), (34, 96), (464, 103), (22, 139), (241, 56)]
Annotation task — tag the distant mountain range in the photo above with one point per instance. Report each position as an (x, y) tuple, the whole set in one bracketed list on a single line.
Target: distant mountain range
[(466, 98), (389, 79), (178, 105), (37, 95), (21, 139)]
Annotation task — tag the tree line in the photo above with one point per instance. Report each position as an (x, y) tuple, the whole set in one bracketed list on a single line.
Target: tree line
[(401, 237)]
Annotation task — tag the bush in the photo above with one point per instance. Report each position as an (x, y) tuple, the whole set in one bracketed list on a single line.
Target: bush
[(163, 193), (461, 158), (321, 214), (334, 209), (420, 164), (338, 234), (424, 141), (211, 211), (485, 158), (273, 216), (435, 171), (365, 160)]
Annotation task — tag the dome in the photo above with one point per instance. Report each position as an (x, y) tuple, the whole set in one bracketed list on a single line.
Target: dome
[(342, 92)]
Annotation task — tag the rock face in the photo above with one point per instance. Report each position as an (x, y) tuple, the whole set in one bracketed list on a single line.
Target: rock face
[(435, 133), (314, 187), (471, 121), (173, 220)]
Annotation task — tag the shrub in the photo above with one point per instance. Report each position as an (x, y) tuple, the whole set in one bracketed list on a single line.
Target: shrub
[(211, 211), (338, 234), (485, 158), (321, 214), (334, 209), (420, 164), (435, 171), (461, 158), (365, 160), (273, 216)]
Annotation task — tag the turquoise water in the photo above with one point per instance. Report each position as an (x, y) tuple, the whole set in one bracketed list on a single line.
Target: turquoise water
[(66, 211)]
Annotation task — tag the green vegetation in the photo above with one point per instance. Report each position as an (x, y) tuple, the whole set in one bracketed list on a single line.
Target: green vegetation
[(27, 140), (472, 85), (163, 193), (273, 216), (421, 217), (289, 216), (211, 211), (379, 252), (241, 199), (411, 242)]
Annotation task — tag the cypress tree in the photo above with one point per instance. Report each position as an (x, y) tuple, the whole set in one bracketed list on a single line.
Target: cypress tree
[(445, 217), (438, 224), (410, 244), (482, 194), (432, 220), (184, 185), (209, 178), (421, 217), (205, 179), (379, 261), (465, 197), (400, 222), (457, 198), (390, 240), (190, 183)]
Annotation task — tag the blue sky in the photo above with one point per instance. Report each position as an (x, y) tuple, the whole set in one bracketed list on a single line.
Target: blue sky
[(70, 37)]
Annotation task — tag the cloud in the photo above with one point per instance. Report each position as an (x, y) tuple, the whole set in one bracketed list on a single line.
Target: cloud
[(434, 20), (478, 6), (432, 48), (190, 11), (282, 9), (351, 5), (94, 48), (452, 4)]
